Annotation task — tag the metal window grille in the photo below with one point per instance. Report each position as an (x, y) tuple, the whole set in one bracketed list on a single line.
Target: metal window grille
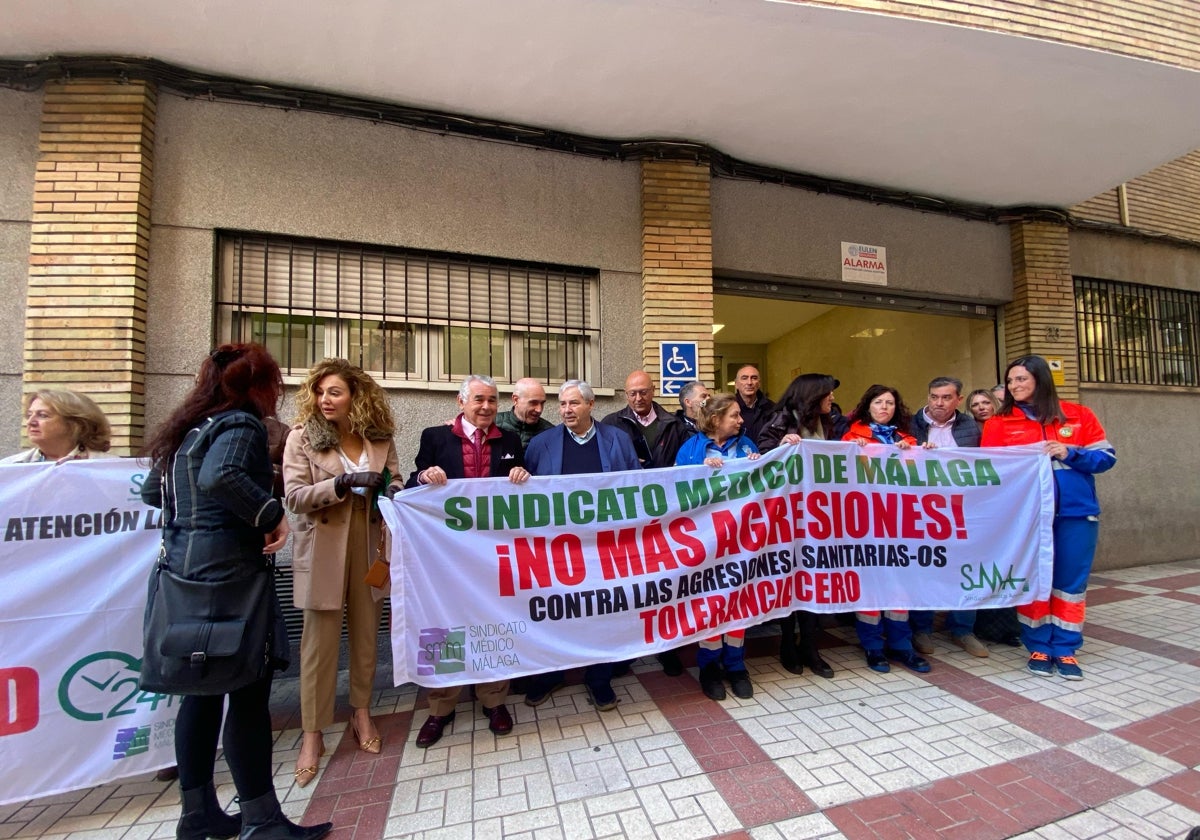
[(406, 314), (1135, 334)]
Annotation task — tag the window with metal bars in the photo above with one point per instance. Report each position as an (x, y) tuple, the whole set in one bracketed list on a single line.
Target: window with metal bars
[(1135, 334), (406, 314)]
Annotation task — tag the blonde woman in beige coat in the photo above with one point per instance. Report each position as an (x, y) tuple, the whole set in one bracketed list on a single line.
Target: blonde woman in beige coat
[(339, 457)]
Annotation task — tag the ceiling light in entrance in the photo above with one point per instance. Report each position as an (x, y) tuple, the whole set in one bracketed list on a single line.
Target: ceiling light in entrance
[(871, 332)]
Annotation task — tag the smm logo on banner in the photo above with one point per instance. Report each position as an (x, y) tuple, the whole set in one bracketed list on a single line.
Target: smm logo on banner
[(442, 650), (132, 741)]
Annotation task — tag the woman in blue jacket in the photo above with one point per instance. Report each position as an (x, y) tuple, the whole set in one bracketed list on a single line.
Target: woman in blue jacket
[(721, 657)]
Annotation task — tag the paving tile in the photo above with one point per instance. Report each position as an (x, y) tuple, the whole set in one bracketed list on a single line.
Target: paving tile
[(1142, 644), (760, 793), (978, 748), (1075, 777), (1174, 734), (1183, 788), (1137, 764), (808, 827), (1110, 595), (1145, 814)]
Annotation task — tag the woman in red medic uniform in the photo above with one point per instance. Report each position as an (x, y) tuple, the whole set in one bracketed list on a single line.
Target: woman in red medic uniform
[(882, 417), (1070, 434)]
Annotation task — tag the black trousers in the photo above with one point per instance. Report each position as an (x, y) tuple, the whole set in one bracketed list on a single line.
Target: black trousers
[(247, 739)]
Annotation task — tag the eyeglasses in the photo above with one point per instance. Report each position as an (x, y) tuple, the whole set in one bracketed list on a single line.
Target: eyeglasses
[(640, 392)]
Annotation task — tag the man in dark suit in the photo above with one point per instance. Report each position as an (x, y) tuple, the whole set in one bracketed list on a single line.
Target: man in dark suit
[(756, 408), (579, 446), (472, 446), (941, 425), (656, 433)]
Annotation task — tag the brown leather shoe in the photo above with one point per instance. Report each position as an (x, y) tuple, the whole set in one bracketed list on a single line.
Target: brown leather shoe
[(431, 730), (499, 720)]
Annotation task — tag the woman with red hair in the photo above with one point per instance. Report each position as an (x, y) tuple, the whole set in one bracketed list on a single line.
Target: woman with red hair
[(211, 474)]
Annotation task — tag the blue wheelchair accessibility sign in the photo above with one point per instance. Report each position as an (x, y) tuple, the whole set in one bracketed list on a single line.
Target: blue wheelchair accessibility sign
[(679, 364)]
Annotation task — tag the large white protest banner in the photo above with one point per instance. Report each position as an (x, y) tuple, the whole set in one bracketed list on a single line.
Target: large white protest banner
[(493, 579), (77, 553), (490, 579)]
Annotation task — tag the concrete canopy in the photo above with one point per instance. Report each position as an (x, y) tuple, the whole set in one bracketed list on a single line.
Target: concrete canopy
[(928, 108)]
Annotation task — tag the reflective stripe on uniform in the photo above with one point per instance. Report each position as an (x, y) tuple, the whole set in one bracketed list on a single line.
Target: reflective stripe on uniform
[(1035, 614), (1067, 609), (1031, 621), (1066, 625)]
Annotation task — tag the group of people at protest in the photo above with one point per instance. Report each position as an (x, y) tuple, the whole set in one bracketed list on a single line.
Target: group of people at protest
[(225, 508)]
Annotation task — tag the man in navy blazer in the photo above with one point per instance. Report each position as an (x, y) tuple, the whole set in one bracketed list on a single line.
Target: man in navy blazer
[(577, 447), (473, 446), (546, 451)]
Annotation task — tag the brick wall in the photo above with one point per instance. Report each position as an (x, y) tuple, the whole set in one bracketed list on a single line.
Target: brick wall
[(677, 284), (1105, 207), (85, 322), (1158, 30), (1164, 200), (1041, 317)]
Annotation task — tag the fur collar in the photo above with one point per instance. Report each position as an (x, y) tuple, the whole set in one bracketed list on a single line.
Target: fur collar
[(323, 436)]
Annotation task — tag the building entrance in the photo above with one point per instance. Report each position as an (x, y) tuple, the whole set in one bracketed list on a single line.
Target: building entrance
[(861, 339)]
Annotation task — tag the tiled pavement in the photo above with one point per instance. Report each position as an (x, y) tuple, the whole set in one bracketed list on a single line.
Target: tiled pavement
[(976, 749)]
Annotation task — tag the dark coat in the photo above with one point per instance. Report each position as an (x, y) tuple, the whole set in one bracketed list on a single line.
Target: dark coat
[(441, 447), (782, 422), (754, 420), (965, 430), (218, 500), (670, 437)]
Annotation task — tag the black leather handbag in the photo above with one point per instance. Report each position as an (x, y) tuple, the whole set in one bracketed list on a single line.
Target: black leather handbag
[(211, 637)]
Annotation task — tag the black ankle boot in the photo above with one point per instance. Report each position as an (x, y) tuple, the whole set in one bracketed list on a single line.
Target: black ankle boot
[(712, 682), (203, 816), (808, 644), (262, 820), (788, 656)]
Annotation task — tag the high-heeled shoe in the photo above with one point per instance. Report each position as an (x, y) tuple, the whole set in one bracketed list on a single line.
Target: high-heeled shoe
[(367, 745), (304, 775)]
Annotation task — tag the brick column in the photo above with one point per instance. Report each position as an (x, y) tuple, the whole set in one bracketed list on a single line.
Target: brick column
[(85, 322), (1041, 318), (677, 285)]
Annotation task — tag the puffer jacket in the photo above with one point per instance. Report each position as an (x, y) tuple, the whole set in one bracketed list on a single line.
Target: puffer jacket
[(700, 446)]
